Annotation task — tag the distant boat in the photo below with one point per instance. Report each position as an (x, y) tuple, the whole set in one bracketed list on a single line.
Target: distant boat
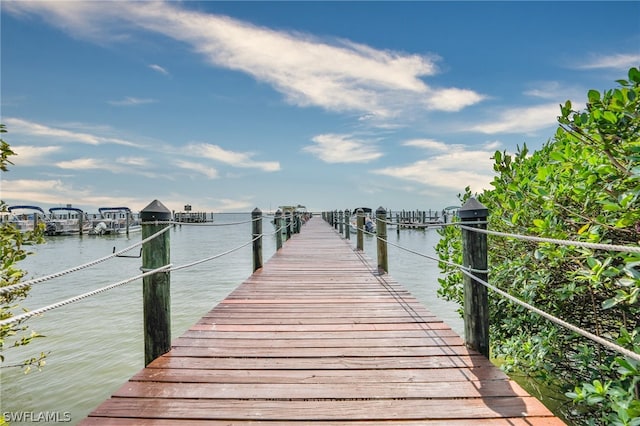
[(368, 222), (114, 221), (24, 218), (67, 221)]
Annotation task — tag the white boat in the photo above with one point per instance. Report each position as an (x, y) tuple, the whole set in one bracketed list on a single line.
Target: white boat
[(369, 225), (114, 221), (24, 218), (67, 221)]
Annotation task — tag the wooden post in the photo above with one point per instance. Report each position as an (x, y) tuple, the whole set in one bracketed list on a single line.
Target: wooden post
[(256, 216), (360, 224), (278, 223), (474, 253), (341, 221), (381, 231), (287, 222), (156, 288), (347, 225)]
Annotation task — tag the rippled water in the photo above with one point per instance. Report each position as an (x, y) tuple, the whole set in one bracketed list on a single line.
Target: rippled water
[(95, 345)]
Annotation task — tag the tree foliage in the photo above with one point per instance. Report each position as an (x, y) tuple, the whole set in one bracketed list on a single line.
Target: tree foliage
[(582, 185), (13, 249)]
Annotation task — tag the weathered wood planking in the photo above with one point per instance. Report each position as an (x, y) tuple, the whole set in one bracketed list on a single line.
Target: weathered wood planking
[(318, 336)]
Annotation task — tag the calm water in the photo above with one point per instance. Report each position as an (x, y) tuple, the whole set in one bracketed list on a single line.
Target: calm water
[(95, 345)]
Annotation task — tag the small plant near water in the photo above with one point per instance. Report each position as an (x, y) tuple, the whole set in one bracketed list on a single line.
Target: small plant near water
[(13, 250), (583, 185)]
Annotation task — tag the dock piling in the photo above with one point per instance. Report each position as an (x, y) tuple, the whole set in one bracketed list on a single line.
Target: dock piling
[(474, 251), (381, 231), (256, 216), (156, 288)]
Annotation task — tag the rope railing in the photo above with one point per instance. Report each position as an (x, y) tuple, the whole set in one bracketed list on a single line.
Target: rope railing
[(584, 244), (604, 342), (290, 223), (470, 271), (23, 284), (40, 311)]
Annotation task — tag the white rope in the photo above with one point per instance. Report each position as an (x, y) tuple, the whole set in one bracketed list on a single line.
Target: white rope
[(597, 246), (44, 309), (197, 262), (7, 289), (626, 352)]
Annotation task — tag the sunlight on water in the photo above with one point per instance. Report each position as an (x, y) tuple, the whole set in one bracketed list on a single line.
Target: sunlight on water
[(95, 345)]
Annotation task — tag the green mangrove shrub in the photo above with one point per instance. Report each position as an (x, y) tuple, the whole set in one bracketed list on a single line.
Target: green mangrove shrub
[(582, 185), (14, 248)]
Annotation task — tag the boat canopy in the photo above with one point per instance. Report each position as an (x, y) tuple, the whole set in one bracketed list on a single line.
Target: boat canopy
[(11, 208), (364, 209), (113, 209), (54, 209)]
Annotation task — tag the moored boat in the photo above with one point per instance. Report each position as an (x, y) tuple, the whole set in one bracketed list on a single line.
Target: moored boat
[(368, 222), (67, 221), (115, 220), (25, 218)]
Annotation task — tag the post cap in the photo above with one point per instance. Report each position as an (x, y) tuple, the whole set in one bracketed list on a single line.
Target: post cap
[(256, 212), (473, 209), (278, 213), (155, 211), (381, 210)]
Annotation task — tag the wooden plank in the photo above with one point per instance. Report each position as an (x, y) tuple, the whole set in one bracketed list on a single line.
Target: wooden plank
[(326, 409), (317, 335)]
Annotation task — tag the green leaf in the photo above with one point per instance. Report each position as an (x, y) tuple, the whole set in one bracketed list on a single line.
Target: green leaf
[(593, 95), (610, 117)]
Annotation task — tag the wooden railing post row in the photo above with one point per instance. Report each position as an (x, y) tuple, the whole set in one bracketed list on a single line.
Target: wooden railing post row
[(360, 224), (381, 231), (256, 225), (474, 253), (347, 226), (340, 222), (287, 222), (156, 288), (278, 222)]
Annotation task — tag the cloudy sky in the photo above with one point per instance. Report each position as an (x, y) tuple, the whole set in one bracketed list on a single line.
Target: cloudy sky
[(229, 106)]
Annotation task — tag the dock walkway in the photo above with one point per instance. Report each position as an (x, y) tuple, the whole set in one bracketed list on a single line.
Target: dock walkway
[(318, 336)]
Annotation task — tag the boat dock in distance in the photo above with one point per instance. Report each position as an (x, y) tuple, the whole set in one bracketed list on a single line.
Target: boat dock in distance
[(318, 336)]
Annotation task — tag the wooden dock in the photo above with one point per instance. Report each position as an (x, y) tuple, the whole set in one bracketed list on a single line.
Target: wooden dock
[(318, 336)]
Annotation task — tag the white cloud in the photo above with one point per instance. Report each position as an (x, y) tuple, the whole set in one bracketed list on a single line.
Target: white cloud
[(133, 161), (520, 120), (427, 144), (335, 148), (452, 99), (621, 61), (27, 155), (131, 101), (159, 69), (452, 170), (58, 192), (337, 75), (209, 172), (236, 159), (87, 164), (25, 127)]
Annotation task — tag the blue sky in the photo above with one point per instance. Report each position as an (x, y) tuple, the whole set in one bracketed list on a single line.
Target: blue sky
[(229, 106)]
